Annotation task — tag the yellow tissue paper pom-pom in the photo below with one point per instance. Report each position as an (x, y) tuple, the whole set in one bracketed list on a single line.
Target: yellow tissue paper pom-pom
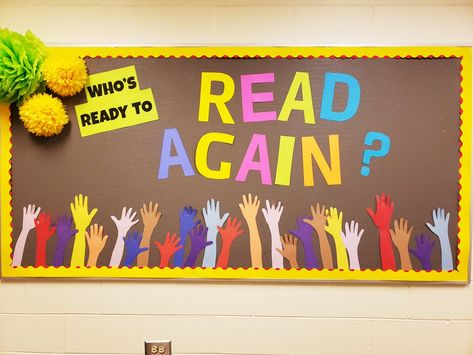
[(65, 75), (43, 115)]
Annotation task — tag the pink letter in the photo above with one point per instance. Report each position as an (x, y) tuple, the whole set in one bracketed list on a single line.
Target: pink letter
[(248, 98), (258, 142)]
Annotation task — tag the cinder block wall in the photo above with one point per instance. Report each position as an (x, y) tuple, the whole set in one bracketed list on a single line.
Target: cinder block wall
[(91, 317)]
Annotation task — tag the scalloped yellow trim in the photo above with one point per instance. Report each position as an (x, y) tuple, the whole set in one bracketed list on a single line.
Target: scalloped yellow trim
[(460, 275)]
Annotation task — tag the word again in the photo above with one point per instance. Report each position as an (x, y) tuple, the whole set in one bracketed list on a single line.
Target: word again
[(257, 147)]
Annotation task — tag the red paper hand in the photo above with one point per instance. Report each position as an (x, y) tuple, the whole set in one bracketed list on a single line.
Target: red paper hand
[(384, 212), (229, 234), (382, 220), (43, 233), (167, 250)]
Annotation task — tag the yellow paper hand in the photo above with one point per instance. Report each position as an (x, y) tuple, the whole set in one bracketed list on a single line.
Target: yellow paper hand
[(82, 219), (334, 227), (249, 209)]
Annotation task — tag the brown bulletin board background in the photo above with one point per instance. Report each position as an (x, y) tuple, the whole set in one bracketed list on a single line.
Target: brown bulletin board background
[(414, 101)]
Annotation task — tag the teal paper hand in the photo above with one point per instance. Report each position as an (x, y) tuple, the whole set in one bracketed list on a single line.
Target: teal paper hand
[(440, 229)]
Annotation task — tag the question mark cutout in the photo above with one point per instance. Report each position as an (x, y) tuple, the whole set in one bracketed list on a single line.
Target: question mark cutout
[(368, 154)]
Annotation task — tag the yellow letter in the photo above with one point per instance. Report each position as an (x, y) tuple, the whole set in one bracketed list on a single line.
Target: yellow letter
[(201, 155), (207, 98), (311, 150), (284, 168), (301, 80)]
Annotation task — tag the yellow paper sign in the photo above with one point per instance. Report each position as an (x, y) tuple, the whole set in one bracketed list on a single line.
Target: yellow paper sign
[(114, 100)]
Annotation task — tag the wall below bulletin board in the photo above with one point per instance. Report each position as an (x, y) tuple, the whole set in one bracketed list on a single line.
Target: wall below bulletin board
[(257, 163)]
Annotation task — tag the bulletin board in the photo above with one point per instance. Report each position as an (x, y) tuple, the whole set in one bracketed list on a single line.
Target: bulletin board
[(248, 163)]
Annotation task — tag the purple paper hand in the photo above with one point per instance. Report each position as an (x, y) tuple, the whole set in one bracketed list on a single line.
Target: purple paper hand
[(423, 250), (198, 237), (186, 224), (64, 234), (132, 247), (304, 232)]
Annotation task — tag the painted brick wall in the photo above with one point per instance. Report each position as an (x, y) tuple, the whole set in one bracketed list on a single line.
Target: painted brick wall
[(91, 317)]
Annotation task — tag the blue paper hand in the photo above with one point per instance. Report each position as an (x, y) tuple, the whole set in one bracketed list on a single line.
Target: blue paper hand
[(132, 248), (186, 223), (440, 229)]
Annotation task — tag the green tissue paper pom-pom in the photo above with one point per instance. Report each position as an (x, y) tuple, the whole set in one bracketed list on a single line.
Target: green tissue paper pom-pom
[(21, 59)]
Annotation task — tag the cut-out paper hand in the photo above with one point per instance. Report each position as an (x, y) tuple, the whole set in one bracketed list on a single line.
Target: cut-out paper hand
[(123, 224), (150, 217), (334, 227), (249, 209), (44, 231), (96, 242), (82, 219), (64, 233), (198, 237), (304, 232), (351, 239), (30, 213), (229, 233), (400, 236), (168, 249), (272, 215), (384, 211), (318, 222), (213, 221), (132, 247), (289, 250), (423, 250), (382, 219), (187, 222), (440, 229)]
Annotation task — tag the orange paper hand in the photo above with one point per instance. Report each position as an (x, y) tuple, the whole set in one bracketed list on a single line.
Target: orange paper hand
[(289, 249), (318, 222), (95, 242), (400, 236), (150, 217), (249, 208)]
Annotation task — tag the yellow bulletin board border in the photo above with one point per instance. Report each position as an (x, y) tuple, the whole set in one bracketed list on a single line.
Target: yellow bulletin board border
[(459, 275)]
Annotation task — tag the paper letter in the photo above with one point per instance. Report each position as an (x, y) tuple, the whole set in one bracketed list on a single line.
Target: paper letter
[(172, 137), (301, 80), (353, 101), (311, 150), (207, 98), (286, 153), (202, 151), (248, 97), (258, 143)]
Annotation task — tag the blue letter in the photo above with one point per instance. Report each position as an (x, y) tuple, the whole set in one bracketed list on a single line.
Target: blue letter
[(326, 108), (171, 136)]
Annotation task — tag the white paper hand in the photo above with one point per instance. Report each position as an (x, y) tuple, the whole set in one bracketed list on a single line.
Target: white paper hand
[(123, 226), (30, 213)]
